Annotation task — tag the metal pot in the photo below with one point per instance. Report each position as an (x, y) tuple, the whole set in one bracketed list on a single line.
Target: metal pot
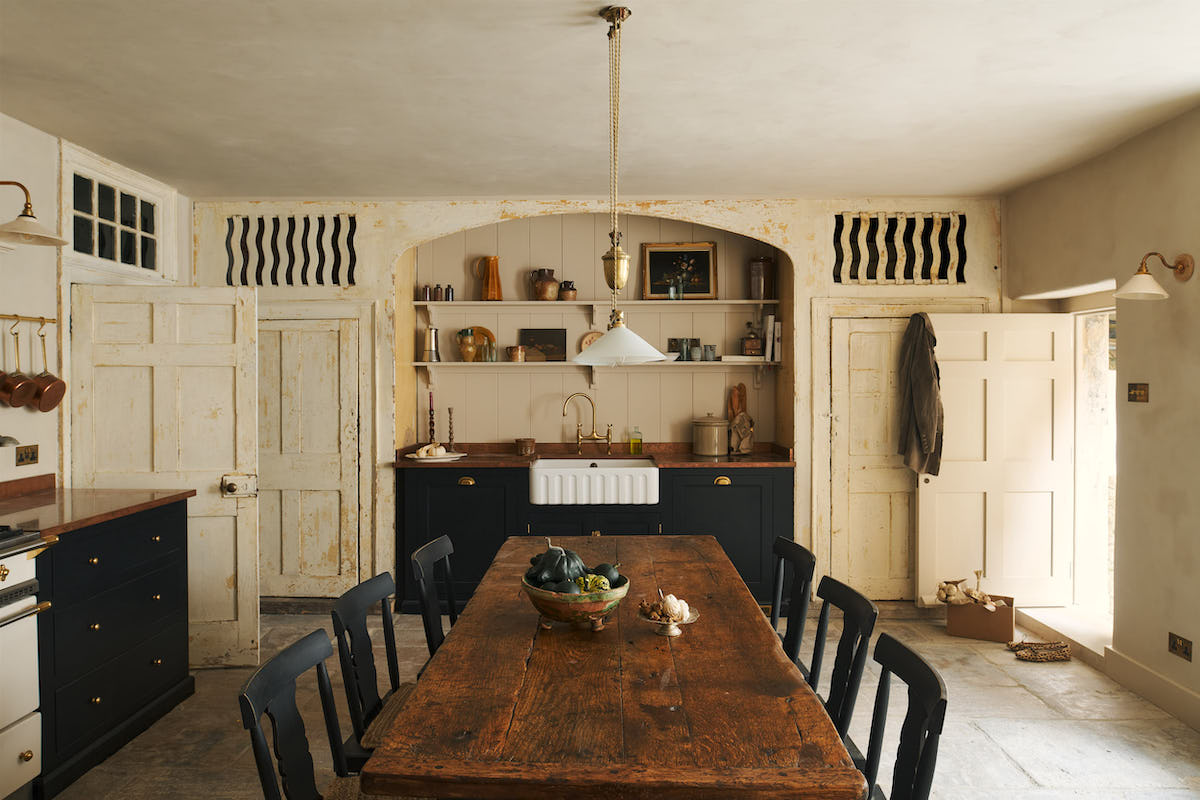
[(710, 436)]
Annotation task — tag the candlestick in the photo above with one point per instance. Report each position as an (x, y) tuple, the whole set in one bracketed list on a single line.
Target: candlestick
[(432, 427), (450, 430)]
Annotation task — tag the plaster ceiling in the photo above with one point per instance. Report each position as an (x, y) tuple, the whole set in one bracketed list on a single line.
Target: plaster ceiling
[(482, 98)]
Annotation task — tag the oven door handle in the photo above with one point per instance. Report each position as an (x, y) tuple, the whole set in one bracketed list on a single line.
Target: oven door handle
[(27, 612)]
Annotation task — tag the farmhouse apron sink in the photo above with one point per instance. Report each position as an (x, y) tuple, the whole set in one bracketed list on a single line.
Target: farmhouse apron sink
[(599, 481)]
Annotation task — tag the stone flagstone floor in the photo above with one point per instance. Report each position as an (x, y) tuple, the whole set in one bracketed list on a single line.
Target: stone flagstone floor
[(1014, 730)]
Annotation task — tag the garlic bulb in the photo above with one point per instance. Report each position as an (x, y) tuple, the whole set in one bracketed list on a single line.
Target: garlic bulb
[(675, 608)]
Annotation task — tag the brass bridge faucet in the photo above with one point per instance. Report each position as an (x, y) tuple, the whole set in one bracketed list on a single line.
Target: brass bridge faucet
[(593, 436)]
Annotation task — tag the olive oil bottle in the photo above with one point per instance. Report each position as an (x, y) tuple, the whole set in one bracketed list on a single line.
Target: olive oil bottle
[(635, 442)]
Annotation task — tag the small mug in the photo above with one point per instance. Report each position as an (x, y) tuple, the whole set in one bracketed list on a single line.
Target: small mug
[(524, 446), (516, 352), (710, 352)]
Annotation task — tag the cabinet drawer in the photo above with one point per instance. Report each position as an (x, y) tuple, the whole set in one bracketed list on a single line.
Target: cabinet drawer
[(18, 668), (103, 697), (88, 634), (16, 742), (93, 559)]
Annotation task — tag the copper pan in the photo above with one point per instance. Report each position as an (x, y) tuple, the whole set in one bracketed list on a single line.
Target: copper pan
[(50, 388), (17, 389)]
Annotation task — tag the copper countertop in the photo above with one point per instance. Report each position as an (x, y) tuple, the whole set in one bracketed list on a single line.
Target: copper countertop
[(666, 455), (58, 511)]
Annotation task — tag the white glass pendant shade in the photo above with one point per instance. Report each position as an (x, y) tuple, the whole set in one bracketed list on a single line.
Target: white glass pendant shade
[(25, 229), (618, 347), (1141, 286)]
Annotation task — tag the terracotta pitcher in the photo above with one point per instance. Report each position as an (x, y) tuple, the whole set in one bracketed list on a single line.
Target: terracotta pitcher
[(487, 269)]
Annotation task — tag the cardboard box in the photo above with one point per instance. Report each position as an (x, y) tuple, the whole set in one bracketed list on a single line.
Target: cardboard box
[(976, 622)]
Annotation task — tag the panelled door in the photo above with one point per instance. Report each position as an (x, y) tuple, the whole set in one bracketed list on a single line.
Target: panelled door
[(163, 398), (308, 456), (1003, 502), (872, 515)]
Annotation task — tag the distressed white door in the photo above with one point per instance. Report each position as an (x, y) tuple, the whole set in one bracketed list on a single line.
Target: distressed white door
[(163, 398), (308, 456), (1003, 502), (872, 503)]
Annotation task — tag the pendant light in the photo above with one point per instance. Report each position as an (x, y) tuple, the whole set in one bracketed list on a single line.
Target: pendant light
[(619, 345), (25, 229)]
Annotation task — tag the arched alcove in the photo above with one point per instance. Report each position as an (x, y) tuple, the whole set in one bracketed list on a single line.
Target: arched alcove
[(501, 401)]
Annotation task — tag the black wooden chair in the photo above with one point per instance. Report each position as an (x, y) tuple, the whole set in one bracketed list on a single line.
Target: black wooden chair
[(858, 621), (803, 562), (919, 733), (425, 559), (370, 714), (272, 691)]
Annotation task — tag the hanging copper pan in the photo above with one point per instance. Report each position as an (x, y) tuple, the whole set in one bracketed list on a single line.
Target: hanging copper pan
[(17, 389), (49, 387)]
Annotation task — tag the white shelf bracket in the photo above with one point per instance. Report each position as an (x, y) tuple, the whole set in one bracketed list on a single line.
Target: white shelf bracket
[(758, 375), (428, 372), (591, 377)]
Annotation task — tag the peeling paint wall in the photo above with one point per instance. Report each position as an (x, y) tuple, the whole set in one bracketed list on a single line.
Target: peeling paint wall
[(801, 228)]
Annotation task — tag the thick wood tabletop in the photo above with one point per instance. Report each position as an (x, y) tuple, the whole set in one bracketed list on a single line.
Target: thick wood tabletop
[(507, 710)]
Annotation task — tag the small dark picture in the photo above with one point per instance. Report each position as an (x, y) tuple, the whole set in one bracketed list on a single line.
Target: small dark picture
[(544, 344), (679, 271), (673, 344)]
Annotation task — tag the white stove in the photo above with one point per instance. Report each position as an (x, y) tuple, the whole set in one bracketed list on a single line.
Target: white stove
[(20, 722)]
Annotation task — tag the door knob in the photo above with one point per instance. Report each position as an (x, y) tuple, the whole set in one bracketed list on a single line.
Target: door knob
[(94, 561), (156, 538), (95, 626), (95, 701), (26, 755)]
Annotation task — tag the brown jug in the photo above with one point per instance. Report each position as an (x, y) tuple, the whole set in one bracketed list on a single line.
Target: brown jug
[(545, 287), (487, 269)]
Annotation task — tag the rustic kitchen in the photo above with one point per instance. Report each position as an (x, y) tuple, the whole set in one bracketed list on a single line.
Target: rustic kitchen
[(338, 466)]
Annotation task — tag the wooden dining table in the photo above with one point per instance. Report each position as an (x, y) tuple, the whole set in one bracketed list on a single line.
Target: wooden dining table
[(506, 709)]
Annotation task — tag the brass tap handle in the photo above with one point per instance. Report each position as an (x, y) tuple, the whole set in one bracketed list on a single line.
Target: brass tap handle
[(608, 438), (579, 438), (26, 755)]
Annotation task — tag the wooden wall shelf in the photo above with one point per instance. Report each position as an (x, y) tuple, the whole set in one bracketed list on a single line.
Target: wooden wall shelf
[(431, 367), (598, 308)]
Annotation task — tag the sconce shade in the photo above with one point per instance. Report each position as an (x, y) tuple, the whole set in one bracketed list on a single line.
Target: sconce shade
[(1141, 286), (618, 347), (25, 229)]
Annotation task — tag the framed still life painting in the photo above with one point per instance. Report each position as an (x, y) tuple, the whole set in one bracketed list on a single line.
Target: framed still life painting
[(679, 271)]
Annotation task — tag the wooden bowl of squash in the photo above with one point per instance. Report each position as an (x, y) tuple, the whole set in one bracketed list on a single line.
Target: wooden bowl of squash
[(562, 589)]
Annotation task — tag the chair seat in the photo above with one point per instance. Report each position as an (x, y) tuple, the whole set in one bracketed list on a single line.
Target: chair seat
[(392, 704), (348, 789)]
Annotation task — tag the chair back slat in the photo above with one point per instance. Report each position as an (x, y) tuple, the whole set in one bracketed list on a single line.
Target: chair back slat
[(271, 692), (916, 756), (425, 560), (858, 621), (803, 564), (355, 652)]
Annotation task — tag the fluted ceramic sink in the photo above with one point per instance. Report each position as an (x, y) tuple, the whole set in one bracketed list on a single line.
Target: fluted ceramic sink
[(597, 481)]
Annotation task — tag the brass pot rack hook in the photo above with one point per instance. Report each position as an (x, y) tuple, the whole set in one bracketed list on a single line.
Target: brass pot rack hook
[(41, 331)]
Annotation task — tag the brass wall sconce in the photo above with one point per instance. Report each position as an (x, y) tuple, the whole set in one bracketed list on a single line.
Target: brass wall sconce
[(25, 229), (1142, 285)]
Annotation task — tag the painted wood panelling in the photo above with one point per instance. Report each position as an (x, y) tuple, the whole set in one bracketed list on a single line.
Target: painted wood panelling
[(504, 403)]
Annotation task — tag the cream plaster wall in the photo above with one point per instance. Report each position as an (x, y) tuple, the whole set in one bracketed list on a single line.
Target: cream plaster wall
[(802, 229), (29, 285), (1091, 223)]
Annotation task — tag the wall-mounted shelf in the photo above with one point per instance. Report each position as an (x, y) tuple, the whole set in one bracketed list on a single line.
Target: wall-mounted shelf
[(598, 308), (431, 367)]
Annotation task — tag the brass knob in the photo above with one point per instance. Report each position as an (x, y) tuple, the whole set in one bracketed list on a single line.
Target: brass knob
[(94, 561), (722, 480), (3, 572), (157, 662), (95, 626), (231, 488), (595, 533), (26, 755), (156, 538), (156, 597), (95, 701), (466, 480)]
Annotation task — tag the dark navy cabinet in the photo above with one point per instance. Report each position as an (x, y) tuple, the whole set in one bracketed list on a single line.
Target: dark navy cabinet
[(477, 508), (113, 647), (745, 508)]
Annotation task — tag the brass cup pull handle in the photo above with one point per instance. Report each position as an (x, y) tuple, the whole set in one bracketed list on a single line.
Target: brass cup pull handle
[(95, 701), (4, 572), (466, 480), (95, 626), (94, 561), (26, 755), (722, 480)]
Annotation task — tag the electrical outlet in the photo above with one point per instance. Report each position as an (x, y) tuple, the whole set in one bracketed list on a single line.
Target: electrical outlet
[(1179, 646), (27, 454)]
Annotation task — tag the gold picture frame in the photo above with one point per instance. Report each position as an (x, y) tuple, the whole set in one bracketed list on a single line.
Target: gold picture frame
[(697, 260)]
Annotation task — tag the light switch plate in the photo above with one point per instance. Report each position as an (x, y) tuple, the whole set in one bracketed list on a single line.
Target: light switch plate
[(27, 454)]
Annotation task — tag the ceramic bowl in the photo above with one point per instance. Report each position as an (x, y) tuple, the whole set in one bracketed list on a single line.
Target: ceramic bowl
[(588, 607)]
